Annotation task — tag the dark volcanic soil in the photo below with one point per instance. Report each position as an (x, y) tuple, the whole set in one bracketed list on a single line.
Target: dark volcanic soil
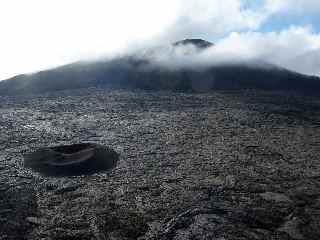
[(224, 165)]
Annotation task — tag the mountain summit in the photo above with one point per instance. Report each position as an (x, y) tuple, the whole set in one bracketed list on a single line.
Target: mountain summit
[(197, 42)]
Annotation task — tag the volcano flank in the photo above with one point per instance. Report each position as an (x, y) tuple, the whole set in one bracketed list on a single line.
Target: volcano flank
[(164, 69)]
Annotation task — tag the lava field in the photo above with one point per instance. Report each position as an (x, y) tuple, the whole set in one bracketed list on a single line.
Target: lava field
[(227, 165)]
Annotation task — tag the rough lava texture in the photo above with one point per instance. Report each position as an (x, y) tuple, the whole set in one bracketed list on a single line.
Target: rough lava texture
[(225, 165)]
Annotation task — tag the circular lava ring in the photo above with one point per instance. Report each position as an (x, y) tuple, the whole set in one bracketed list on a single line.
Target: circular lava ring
[(72, 160)]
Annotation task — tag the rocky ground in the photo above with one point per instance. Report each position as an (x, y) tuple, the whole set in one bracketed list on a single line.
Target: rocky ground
[(224, 165)]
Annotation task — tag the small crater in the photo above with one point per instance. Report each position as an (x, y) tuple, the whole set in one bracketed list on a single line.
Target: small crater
[(72, 160)]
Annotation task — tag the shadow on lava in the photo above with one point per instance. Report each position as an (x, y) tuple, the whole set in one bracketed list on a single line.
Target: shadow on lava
[(72, 160)]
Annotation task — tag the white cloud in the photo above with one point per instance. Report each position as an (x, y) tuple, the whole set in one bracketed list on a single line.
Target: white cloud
[(308, 63), (297, 48), (212, 18), (38, 34), (293, 6), (283, 48)]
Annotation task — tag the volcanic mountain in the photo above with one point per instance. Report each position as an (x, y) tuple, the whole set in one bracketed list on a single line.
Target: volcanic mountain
[(152, 69), (199, 43)]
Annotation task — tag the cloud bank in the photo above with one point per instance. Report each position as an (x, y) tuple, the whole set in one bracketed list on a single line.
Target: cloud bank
[(38, 34), (296, 48)]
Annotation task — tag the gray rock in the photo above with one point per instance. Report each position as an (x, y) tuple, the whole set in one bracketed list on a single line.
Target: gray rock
[(275, 197), (291, 227), (68, 188), (36, 220)]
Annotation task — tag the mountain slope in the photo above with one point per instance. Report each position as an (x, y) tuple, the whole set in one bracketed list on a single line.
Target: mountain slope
[(311, 62), (139, 71)]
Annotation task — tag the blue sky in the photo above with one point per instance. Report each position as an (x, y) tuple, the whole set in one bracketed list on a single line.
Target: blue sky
[(41, 34), (280, 22)]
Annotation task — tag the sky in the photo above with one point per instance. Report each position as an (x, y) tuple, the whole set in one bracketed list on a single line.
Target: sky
[(41, 34)]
